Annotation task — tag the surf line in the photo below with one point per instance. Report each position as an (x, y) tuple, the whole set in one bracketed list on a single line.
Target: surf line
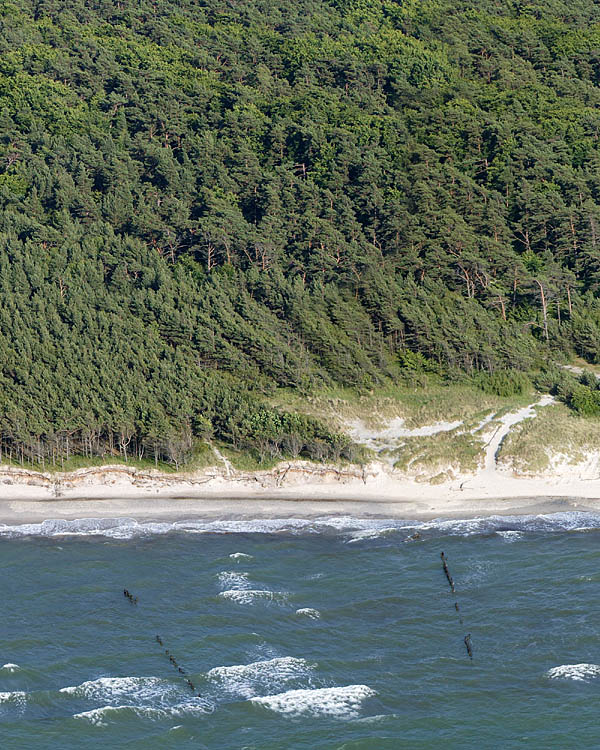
[(134, 600), (467, 638)]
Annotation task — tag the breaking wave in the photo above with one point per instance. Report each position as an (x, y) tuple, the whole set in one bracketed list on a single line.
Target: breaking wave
[(145, 697), (15, 698), (101, 717), (143, 691), (10, 667), (309, 612), (578, 672), (248, 680), (357, 529), (335, 702), (252, 596), (230, 579)]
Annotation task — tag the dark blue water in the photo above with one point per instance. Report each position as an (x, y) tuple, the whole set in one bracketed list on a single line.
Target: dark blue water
[(335, 634)]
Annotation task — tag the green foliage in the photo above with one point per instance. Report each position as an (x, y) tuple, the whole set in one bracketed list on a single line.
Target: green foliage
[(585, 401), (200, 204), (504, 383), (416, 362), (555, 380)]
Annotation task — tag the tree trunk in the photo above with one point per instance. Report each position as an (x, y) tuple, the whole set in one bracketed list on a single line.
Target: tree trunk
[(544, 308)]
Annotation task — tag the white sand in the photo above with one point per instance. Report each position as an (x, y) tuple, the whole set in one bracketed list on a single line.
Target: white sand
[(302, 494)]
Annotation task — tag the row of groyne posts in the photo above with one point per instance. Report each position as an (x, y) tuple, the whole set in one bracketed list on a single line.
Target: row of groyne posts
[(134, 600), (467, 638)]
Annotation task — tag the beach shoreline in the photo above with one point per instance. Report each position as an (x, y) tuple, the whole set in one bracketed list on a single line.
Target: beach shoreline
[(289, 491)]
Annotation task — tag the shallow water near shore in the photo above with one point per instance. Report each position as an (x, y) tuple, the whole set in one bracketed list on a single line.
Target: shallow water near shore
[(330, 633)]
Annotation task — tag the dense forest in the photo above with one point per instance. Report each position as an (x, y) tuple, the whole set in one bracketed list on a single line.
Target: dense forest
[(204, 200)]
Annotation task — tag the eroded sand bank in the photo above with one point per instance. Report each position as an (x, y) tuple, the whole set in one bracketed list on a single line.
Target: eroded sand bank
[(113, 493)]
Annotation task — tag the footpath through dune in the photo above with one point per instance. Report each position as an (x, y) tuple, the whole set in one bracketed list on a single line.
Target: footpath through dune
[(507, 422), (386, 439)]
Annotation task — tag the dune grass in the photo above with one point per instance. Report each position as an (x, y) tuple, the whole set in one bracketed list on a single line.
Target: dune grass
[(528, 447), (247, 461), (435, 457), (418, 406)]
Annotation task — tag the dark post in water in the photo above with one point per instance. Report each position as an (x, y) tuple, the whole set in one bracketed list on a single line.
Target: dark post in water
[(447, 572), (468, 645)]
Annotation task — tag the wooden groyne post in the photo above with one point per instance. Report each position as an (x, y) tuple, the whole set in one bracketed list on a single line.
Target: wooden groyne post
[(134, 600), (467, 638), (447, 572), (469, 645)]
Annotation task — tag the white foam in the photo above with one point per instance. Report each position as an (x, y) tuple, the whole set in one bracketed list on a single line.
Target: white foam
[(146, 697), (99, 717), (17, 697), (128, 528), (247, 680), (118, 528), (314, 614), (336, 702), (13, 701), (10, 667), (142, 691), (240, 556), (359, 536), (578, 672), (192, 706), (230, 579), (510, 536), (251, 596)]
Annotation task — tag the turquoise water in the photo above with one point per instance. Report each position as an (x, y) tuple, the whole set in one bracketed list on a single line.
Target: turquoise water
[(337, 634)]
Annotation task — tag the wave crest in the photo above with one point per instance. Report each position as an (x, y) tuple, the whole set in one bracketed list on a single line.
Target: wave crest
[(251, 596), (313, 614), (246, 680), (99, 717), (10, 667), (578, 672), (334, 702), (142, 691), (355, 528)]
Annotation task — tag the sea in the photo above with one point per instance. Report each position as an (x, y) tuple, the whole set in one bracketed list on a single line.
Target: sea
[(335, 633)]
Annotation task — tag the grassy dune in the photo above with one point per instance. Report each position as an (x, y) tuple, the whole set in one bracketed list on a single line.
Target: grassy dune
[(556, 430), (418, 406), (436, 457)]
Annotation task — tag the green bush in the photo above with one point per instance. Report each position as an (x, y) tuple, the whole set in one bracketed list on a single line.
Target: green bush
[(504, 383), (585, 401), (588, 378), (555, 380), (415, 362)]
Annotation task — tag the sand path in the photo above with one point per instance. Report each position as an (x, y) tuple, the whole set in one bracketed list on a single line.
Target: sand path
[(507, 422)]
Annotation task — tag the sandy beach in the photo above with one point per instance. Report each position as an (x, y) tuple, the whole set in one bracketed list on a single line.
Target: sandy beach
[(299, 491)]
